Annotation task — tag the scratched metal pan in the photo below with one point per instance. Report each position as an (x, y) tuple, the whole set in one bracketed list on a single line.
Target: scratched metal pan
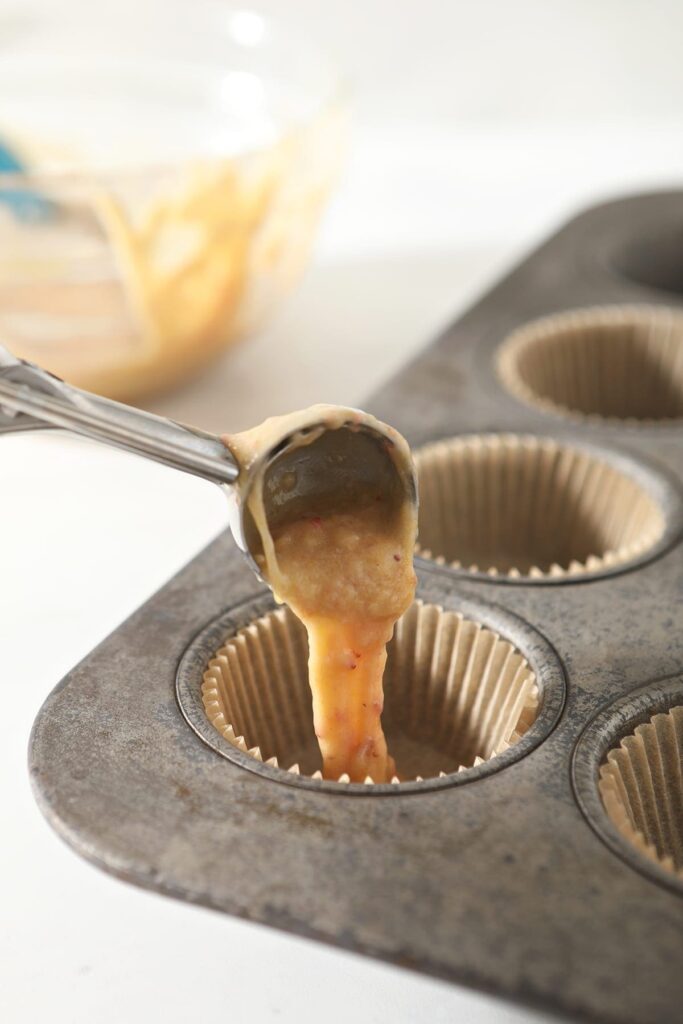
[(506, 876)]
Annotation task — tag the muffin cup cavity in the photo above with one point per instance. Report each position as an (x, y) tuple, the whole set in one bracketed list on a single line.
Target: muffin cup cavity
[(456, 694), (621, 363), (641, 785), (653, 258), (521, 506), (627, 776)]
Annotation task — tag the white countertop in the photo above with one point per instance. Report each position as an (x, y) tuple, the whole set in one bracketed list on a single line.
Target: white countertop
[(471, 144)]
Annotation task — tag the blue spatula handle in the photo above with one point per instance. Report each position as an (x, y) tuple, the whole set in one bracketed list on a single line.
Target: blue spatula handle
[(24, 203)]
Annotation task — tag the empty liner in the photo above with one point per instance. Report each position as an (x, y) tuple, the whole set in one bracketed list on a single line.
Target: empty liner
[(641, 785), (456, 694), (527, 506), (614, 363)]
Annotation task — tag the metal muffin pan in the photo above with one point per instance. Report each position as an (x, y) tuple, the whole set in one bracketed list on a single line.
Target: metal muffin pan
[(494, 879)]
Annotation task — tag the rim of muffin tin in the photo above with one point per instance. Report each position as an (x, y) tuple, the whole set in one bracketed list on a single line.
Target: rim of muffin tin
[(604, 732), (658, 482), (639, 309), (540, 654)]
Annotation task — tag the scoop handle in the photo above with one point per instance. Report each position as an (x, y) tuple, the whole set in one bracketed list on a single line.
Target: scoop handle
[(28, 391)]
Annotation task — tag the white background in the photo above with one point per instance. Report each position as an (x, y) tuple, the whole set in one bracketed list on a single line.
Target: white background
[(479, 127)]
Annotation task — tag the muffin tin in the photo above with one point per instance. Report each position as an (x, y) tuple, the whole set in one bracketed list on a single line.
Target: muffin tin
[(508, 875)]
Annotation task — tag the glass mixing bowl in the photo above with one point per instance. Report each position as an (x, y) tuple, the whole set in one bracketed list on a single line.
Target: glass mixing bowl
[(173, 168)]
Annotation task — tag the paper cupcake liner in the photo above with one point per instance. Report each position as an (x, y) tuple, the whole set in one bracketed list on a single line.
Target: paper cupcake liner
[(456, 694), (528, 506), (615, 363), (641, 785)]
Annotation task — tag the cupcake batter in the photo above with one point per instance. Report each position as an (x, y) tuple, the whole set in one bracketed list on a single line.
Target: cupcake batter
[(348, 575)]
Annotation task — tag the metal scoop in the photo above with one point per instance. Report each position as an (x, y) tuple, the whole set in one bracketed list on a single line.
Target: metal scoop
[(312, 468)]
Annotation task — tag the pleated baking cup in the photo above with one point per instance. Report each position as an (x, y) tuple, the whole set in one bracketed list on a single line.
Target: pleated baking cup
[(641, 785), (512, 505), (626, 776), (622, 363), (456, 694)]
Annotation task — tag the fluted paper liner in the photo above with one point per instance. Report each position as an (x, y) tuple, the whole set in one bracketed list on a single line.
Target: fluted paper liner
[(529, 506), (641, 784), (616, 363), (456, 694)]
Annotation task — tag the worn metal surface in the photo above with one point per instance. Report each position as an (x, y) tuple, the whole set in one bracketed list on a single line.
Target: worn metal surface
[(500, 883)]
